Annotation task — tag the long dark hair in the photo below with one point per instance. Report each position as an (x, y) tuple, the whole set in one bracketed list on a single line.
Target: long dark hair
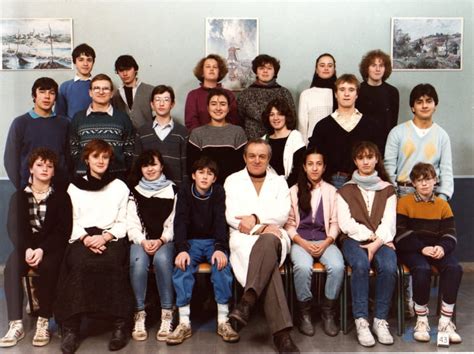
[(304, 185), (146, 158), (361, 147)]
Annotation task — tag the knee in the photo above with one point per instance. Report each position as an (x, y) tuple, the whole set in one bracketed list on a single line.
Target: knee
[(360, 266), (453, 270), (335, 269), (302, 268), (139, 265), (162, 260)]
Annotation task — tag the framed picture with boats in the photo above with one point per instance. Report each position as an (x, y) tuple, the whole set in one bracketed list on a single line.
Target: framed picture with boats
[(36, 43)]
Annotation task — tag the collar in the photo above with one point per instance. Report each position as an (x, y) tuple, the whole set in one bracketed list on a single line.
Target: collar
[(219, 85), (35, 115), (196, 194), (167, 125), (134, 87), (419, 199), (336, 114), (78, 78), (110, 110)]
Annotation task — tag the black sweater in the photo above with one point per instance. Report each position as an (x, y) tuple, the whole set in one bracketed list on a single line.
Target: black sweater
[(200, 218), (57, 226)]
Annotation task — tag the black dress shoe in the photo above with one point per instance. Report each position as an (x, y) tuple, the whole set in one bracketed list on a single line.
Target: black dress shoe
[(120, 335), (241, 313), (69, 341), (285, 344), (305, 324)]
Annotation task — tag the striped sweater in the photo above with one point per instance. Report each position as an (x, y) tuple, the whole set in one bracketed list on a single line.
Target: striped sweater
[(421, 224)]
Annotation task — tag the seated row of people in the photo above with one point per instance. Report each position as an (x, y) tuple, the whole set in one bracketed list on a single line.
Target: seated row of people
[(249, 223)]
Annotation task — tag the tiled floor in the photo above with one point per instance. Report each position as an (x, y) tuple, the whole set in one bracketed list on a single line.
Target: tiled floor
[(255, 337)]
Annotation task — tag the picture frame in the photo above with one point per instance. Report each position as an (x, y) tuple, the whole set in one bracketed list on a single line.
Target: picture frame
[(236, 40), (36, 43), (427, 43)]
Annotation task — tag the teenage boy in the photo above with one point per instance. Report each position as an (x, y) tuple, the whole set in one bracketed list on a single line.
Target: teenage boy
[(74, 94), (101, 121), (201, 235), (40, 127), (426, 236), (335, 135), (420, 140), (164, 134), (133, 96)]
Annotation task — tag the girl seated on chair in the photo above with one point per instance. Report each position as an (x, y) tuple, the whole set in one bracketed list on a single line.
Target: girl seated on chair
[(39, 224), (366, 211), (426, 236)]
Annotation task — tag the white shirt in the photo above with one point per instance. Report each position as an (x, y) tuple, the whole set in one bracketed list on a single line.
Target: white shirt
[(163, 130), (347, 123)]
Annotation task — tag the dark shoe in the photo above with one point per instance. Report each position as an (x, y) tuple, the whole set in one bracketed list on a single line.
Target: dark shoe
[(305, 324), (120, 335), (328, 316), (241, 312), (285, 344), (69, 341)]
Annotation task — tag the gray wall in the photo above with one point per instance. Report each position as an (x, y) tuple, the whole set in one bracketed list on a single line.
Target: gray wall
[(168, 38)]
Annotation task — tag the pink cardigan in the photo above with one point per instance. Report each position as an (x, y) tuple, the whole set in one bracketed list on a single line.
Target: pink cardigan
[(328, 198)]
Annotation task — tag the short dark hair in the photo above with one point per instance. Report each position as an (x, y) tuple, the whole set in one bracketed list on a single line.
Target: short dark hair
[(146, 158), (99, 77), (81, 49), (258, 141), (44, 83), (157, 90), (326, 55), (205, 162), (199, 68), (44, 154), (422, 170), (369, 58), (349, 78), (283, 107), (217, 92), (262, 59), (421, 90), (125, 62), (99, 146)]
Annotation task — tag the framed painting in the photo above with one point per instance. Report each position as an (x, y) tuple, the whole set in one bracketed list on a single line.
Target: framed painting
[(427, 43), (36, 43), (235, 40)]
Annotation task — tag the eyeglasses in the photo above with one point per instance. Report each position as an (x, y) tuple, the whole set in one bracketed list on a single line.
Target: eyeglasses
[(97, 89), (162, 100)]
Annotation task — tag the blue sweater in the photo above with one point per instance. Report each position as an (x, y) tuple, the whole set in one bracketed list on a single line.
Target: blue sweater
[(73, 97), (405, 149), (27, 133)]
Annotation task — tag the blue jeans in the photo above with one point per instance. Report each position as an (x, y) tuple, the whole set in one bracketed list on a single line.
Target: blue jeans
[(385, 264), (303, 271), (201, 251), (338, 181), (163, 263)]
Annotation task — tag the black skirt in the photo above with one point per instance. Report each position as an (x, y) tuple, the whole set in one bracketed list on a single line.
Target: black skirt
[(95, 283)]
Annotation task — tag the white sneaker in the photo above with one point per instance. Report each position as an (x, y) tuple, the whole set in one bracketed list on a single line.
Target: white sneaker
[(449, 327), (380, 329), (139, 331), (166, 326), (14, 334), (42, 335), (364, 336), (422, 329)]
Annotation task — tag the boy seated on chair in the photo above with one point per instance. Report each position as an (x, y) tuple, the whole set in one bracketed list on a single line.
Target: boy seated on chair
[(426, 236), (201, 235)]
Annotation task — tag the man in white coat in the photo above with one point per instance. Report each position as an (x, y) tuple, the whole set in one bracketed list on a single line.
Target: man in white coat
[(257, 207)]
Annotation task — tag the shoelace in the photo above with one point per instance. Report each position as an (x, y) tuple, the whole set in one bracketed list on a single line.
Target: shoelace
[(383, 324), (448, 327), (166, 326), (14, 330), (422, 326), (139, 322), (42, 329), (363, 325)]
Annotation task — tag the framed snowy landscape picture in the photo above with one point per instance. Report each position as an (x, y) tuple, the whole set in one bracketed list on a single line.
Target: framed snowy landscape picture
[(36, 43)]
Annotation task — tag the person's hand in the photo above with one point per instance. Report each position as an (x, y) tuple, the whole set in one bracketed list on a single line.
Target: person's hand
[(151, 246), (273, 229), (319, 248), (220, 258), (28, 255), (247, 223), (438, 252), (182, 260), (372, 248), (428, 251), (390, 245), (36, 258), (95, 243)]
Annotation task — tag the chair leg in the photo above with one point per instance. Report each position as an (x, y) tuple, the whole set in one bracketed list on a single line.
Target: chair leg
[(29, 292), (400, 314), (344, 307)]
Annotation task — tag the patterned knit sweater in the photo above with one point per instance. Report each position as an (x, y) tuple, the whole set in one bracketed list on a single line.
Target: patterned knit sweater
[(421, 224), (252, 102)]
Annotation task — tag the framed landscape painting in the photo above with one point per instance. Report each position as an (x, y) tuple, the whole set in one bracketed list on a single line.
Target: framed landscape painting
[(235, 40), (36, 43), (427, 43)]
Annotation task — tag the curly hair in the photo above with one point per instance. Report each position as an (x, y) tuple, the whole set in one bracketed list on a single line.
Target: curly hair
[(369, 59), (284, 109), (262, 59), (44, 154), (199, 68)]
